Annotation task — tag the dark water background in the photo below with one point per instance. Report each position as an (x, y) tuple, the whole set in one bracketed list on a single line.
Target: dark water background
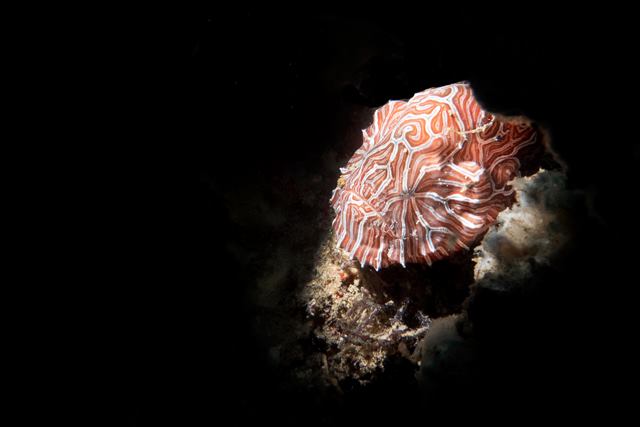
[(218, 104)]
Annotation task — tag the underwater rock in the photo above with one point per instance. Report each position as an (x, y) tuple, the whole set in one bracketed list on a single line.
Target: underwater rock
[(532, 230), (356, 320)]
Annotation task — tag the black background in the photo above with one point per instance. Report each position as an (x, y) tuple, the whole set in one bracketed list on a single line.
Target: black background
[(206, 102)]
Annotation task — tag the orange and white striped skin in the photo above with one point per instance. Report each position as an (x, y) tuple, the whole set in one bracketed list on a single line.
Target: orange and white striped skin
[(429, 179)]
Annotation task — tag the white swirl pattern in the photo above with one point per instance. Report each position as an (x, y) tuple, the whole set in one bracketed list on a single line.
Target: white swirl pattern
[(430, 177)]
